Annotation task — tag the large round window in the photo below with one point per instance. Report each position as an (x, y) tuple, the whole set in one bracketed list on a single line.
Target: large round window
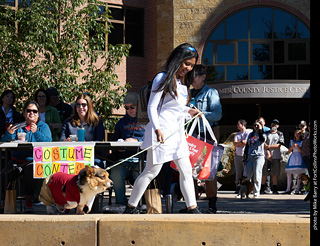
[(256, 44)]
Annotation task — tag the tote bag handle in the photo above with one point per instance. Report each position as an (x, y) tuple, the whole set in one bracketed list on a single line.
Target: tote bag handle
[(206, 127)]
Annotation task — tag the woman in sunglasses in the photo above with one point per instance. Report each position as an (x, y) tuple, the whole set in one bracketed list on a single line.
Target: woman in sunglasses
[(254, 155), (85, 116), (36, 131)]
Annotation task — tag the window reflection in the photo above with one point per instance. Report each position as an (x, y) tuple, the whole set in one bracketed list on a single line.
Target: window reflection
[(260, 23), (237, 26), (215, 73), (284, 24), (208, 54), (225, 53), (303, 31), (260, 72), (259, 43), (219, 33), (237, 72), (243, 52), (297, 51), (260, 52)]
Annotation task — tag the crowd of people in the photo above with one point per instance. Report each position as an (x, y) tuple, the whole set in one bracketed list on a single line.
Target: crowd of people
[(46, 118), (257, 153)]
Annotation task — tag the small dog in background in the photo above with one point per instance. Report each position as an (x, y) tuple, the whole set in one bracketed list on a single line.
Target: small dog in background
[(246, 187), (305, 181), (304, 178), (67, 191)]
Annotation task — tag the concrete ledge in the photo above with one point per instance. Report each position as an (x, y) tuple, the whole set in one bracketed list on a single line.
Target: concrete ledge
[(48, 230), (175, 229), (261, 229)]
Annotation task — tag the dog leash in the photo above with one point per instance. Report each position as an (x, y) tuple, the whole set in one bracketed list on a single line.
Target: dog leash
[(155, 145)]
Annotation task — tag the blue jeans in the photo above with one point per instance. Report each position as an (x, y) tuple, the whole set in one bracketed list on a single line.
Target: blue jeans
[(119, 174), (254, 168)]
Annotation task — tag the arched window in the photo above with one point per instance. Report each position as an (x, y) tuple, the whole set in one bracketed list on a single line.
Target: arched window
[(258, 43)]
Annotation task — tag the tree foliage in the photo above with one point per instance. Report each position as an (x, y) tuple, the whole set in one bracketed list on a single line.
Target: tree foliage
[(61, 43)]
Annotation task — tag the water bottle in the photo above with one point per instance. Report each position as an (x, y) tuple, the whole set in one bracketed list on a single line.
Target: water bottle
[(192, 103), (169, 204), (81, 133)]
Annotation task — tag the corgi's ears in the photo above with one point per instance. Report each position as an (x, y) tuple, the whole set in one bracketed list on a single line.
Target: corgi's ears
[(90, 171)]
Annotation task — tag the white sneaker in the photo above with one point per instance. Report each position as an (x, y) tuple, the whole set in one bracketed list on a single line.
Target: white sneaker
[(256, 195)]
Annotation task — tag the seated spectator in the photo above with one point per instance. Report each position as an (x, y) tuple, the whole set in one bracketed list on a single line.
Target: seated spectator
[(36, 131), (48, 114), (8, 114), (64, 109), (129, 130), (84, 115)]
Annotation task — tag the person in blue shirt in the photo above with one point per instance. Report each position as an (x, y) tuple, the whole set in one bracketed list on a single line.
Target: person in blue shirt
[(127, 129), (36, 131), (207, 100)]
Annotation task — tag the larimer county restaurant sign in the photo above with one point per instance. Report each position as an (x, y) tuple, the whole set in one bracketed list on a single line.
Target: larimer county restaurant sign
[(263, 90)]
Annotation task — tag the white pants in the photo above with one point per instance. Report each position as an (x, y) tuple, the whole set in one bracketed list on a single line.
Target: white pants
[(151, 171)]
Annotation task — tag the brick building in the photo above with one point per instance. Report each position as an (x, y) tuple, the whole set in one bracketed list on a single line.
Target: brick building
[(257, 53)]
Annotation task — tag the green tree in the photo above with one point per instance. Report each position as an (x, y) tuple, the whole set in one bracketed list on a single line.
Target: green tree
[(61, 43)]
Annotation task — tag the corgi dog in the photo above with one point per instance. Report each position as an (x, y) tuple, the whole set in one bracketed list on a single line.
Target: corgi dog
[(246, 187), (67, 191)]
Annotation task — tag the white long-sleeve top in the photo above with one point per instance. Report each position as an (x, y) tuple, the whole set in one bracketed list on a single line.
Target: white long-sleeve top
[(167, 117)]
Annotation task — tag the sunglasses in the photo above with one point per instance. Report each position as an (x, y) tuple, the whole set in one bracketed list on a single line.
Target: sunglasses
[(32, 110), (81, 105), (130, 107)]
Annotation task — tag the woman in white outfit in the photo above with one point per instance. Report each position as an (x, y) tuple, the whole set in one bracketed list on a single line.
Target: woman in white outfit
[(167, 112)]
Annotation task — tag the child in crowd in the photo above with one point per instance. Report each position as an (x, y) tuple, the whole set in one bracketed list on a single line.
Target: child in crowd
[(295, 163)]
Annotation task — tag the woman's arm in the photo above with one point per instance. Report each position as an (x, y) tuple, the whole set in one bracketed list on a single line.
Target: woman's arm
[(154, 101), (43, 133)]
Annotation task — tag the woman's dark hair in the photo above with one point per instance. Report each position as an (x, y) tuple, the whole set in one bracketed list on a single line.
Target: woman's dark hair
[(45, 92), (178, 55), (34, 103), (6, 92)]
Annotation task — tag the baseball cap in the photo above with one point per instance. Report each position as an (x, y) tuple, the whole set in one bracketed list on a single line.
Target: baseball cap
[(275, 121), (52, 91), (132, 98)]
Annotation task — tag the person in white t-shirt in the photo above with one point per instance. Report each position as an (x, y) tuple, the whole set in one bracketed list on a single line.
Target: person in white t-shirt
[(240, 141)]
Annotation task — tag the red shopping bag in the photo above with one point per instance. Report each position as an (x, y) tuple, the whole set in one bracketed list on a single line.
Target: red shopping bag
[(204, 157), (200, 158)]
